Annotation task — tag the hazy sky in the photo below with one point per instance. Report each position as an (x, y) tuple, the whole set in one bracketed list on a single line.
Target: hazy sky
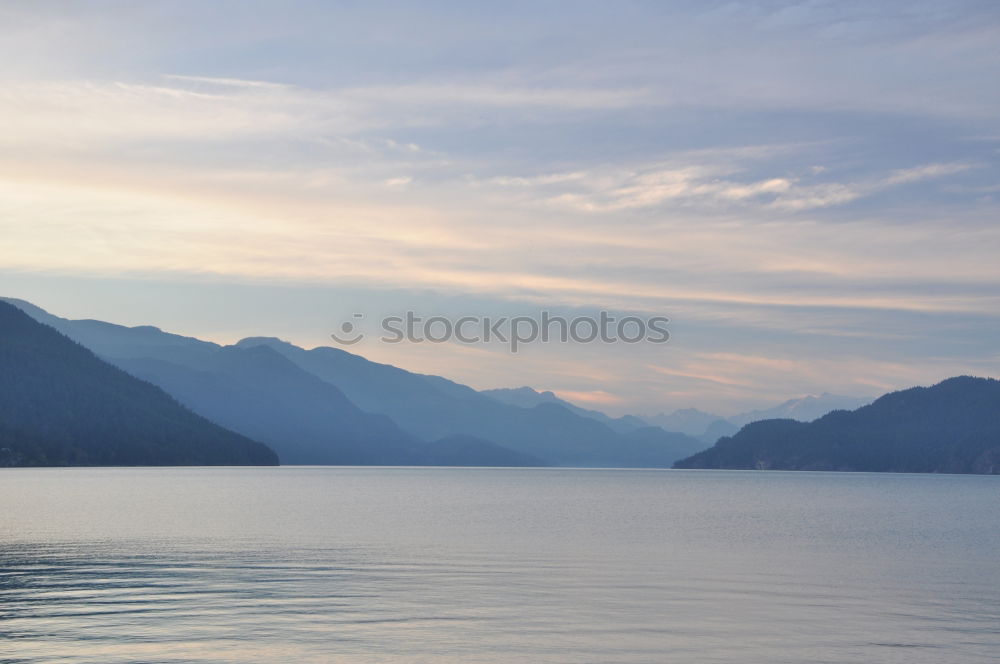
[(809, 190)]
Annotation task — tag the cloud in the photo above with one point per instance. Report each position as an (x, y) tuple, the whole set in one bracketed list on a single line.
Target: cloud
[(756, 170), (92, 113), (592, 397), (228, 82), (926, 172), (401, 181), (441, 97), (111, 226), (710, 185), (828, 194)]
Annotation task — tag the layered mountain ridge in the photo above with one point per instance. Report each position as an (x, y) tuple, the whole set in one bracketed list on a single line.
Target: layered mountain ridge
[(326, 405), (61, 405), (950, 427)]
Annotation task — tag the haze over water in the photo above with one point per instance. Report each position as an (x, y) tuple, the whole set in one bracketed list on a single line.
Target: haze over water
[(473, 565)]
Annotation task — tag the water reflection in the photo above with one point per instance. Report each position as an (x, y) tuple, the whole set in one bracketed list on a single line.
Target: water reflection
[(92, 602), (496, 566)]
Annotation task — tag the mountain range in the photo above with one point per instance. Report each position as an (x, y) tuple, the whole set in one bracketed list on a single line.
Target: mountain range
[(326, 405), (433, 407), (527, 397), (709, 427), (60, 405), (87, 392), (951, 427)]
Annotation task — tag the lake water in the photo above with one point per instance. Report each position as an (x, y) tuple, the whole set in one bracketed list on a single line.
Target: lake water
[(493, 565)]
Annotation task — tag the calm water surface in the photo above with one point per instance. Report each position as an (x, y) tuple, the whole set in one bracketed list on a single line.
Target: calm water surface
[(482, 565)]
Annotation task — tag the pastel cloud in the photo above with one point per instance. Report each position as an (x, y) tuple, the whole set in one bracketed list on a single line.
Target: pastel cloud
[(742, 167)]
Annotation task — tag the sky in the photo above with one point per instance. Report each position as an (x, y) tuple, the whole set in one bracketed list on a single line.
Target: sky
[(810, 191)]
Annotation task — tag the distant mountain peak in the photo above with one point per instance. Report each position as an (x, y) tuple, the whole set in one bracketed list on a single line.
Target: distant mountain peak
[(951, 427), (524, 395), (804, 409), (690, 421), (249, 342), (529, 397)]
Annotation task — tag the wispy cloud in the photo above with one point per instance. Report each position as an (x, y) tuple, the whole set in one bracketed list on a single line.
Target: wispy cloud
[(228, 82), (755, 170), (710, 185)]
